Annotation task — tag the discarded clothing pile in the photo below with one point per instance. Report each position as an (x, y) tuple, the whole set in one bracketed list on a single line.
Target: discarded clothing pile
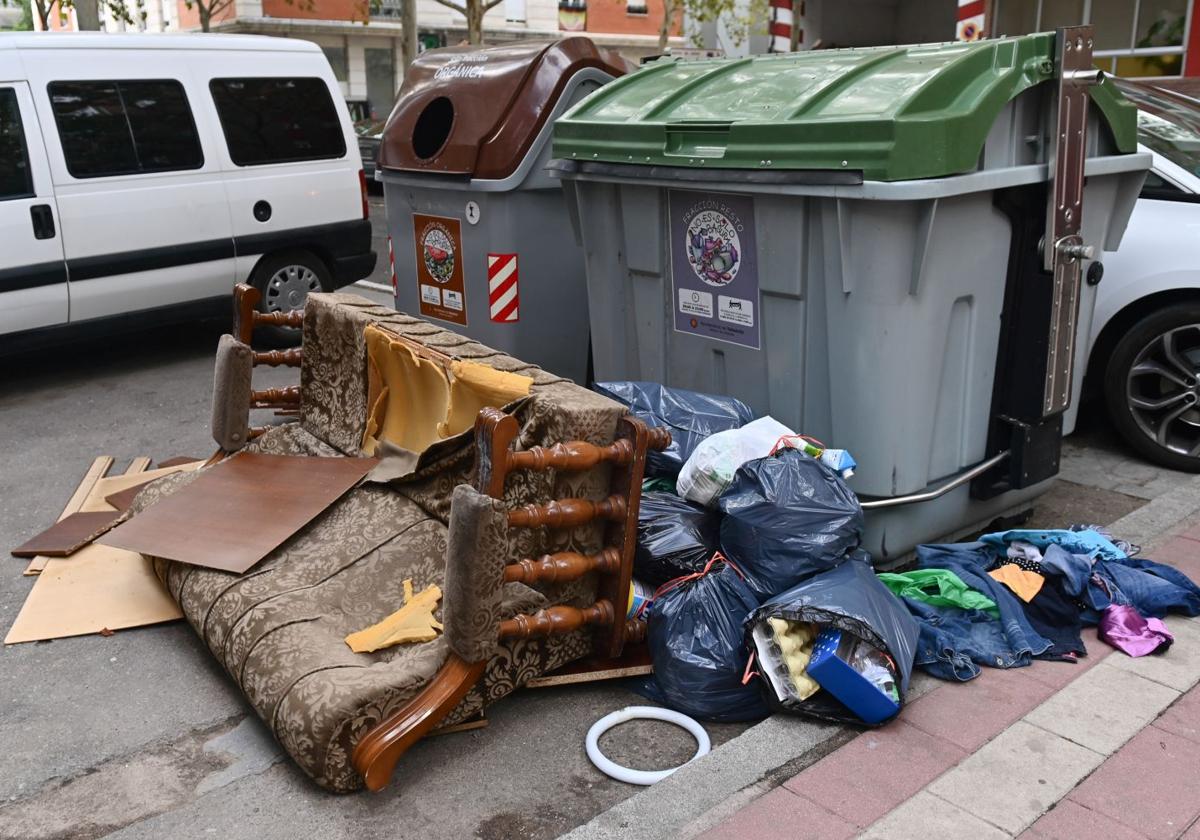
[(765, 600), (1021, 595)]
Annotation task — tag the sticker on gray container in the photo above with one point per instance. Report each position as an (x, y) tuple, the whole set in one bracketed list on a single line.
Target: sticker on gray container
[(714, 266)]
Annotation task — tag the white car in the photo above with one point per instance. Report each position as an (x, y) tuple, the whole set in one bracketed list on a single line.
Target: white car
[(153, 172), (1145, 342)]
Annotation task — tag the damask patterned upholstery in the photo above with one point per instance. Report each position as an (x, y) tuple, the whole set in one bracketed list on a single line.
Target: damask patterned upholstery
[(279, 628)]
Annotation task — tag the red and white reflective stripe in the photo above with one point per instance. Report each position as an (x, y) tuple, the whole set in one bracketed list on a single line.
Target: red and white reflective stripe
[(781, 19), (392, 267), (970, 20), (503, 299)]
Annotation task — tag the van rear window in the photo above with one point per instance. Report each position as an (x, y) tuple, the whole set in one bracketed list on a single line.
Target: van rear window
[(125, 127), (277, 120)]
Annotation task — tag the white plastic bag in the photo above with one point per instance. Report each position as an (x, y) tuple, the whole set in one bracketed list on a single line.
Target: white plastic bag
[(712, 464)]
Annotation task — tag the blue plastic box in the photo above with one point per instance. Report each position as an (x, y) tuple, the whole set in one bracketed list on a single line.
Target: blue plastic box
[(837, 677)]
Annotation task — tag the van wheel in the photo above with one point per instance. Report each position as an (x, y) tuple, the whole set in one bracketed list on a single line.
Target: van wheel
[(285, 280), (1152, 386)]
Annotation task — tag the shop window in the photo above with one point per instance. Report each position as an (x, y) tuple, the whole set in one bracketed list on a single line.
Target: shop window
[(1134, 38), (338, 61)]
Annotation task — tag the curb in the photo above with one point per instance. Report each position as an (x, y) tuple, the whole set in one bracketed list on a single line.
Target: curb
[(707, 791)]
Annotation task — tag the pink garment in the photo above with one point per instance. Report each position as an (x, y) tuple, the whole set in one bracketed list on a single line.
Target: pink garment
[(1124, 628)]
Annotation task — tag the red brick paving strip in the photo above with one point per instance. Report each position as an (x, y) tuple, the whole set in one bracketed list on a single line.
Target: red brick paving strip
[(782, 815), (1152, 785)]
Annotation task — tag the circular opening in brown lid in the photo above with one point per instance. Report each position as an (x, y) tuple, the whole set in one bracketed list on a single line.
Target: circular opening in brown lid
[(433, 128)]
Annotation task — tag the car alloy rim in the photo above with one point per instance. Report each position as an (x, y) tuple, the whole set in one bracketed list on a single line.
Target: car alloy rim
[(1162, 393), (289, 287)]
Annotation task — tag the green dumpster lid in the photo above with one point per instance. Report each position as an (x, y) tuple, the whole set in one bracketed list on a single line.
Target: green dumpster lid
[(893, 113)]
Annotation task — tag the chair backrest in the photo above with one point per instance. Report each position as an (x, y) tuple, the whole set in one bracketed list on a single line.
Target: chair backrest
[(233, 393), (494, 435)]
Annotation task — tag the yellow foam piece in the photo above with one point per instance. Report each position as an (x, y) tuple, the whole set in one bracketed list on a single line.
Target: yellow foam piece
[(413, 402), (414, 622), (475, 386)]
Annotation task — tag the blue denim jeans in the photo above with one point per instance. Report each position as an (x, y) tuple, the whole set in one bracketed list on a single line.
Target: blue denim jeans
[(951, 637)]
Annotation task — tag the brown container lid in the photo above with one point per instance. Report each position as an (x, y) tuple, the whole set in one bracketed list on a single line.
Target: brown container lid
[(476, 110)]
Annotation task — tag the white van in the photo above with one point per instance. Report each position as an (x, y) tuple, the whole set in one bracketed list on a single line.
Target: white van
[(141, 172)]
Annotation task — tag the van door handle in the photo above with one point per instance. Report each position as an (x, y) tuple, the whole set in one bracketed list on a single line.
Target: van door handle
[(43, 221)]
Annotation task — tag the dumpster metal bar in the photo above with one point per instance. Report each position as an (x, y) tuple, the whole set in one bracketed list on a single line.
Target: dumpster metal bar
[(929, 495), (1065, 250)]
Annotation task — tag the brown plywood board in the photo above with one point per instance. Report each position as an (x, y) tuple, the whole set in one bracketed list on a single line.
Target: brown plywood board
[(67, 535), (100, 466), (239, 510), (97, 488)]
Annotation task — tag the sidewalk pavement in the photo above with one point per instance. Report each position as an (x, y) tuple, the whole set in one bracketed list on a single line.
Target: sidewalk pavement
[(1109, 747)]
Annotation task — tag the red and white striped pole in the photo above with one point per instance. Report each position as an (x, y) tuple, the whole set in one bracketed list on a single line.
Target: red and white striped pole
[(781, 20)]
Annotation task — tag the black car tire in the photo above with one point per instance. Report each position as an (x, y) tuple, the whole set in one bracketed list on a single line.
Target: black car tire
[(281, 278), (1164, 346)]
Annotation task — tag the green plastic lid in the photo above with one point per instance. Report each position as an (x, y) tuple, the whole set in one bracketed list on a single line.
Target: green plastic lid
[(892, 113)]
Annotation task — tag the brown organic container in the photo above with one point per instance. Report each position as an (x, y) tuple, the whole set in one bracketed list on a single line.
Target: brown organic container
[(476, 111)]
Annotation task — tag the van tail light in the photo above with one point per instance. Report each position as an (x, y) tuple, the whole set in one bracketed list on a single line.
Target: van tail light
[(392, 268), (362, 183)]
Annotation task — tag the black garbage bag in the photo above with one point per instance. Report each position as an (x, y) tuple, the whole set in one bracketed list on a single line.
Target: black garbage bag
[(787, 517), (689, 415), (675, 537), (851, 599), (694, 630)]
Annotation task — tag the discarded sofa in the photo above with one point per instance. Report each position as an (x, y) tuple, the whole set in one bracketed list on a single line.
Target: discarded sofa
[(530, 542)]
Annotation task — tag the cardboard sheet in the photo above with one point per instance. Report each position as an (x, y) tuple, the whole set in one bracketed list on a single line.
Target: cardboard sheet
[(239, 510), (95, 589)]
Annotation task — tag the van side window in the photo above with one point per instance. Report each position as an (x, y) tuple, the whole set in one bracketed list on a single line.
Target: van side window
[(16, 181), (277, 120), (125, 127)]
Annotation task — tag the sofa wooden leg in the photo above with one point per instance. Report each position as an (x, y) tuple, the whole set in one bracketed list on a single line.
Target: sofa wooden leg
[(377, 752)]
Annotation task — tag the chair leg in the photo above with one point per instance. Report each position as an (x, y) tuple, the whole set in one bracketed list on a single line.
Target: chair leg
[(377, 752)]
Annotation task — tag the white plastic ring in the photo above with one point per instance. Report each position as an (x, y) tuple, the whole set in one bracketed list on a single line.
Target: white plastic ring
[(641, 777)]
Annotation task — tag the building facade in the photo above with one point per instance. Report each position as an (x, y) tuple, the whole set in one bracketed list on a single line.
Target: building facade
[(362, 38), (1134, 38)]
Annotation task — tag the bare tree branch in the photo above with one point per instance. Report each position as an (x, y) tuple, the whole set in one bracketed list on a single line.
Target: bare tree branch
[(491, 4), (455, 6)]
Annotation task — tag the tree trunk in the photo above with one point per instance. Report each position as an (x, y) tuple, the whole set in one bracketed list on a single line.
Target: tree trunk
[(664, 31), (797, 5), (205, 12), (408, 43), (41, 8), (87, 15), (474, 22)]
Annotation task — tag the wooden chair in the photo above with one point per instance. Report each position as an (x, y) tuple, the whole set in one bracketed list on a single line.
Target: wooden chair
[(233, 393), (378, 751)]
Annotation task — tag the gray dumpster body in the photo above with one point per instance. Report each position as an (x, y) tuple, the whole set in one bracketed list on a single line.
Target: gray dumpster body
[(843, 296)]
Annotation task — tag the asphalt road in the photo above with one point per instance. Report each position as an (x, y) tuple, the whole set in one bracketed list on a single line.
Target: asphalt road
[(141, 735)]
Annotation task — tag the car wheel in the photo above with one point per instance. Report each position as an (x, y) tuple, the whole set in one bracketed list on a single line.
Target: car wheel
[(285, 280), (1151, 386)]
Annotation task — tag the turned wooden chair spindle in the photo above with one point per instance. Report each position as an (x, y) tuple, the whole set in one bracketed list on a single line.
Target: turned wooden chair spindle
[(246, 317)]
